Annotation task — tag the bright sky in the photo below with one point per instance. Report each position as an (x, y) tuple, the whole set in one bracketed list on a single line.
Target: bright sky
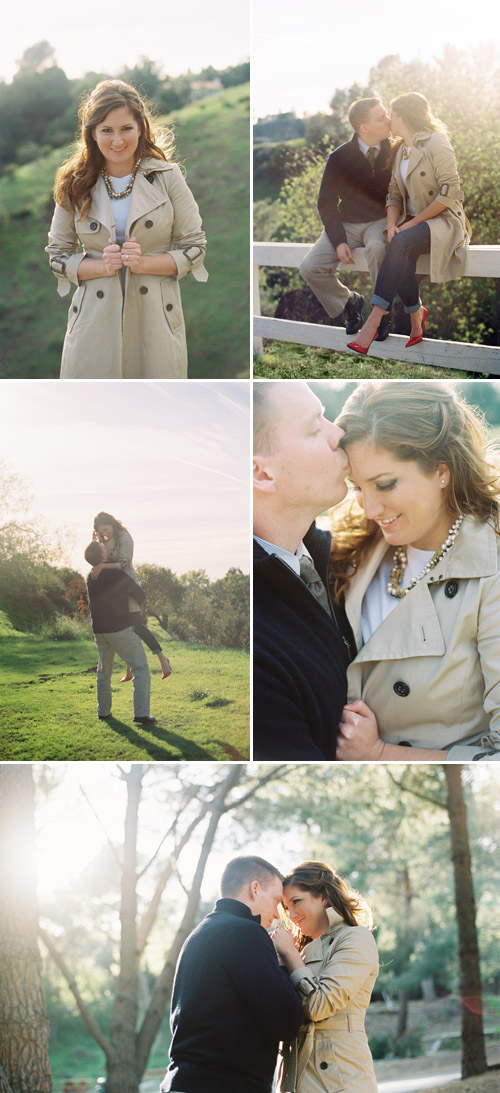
[(303, 52), (170, 460), (107, 37)]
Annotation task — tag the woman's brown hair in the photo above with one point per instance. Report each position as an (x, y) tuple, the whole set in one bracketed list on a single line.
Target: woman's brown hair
[(320, 880), (415, 111), (107, 518), (423, 422), (77, 177)]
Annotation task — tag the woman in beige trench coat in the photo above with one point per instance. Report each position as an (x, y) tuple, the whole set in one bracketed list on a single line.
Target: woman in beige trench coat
[(417, 561), (333, 963), (424, 216), (130, 209)]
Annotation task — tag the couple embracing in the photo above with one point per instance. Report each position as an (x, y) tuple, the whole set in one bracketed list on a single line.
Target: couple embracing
[(238, 992), (378, 639), (399, 200)]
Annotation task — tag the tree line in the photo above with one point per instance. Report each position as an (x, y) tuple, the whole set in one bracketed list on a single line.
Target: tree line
[(38, 109), (39, 596), (463, 90), (412, 839)]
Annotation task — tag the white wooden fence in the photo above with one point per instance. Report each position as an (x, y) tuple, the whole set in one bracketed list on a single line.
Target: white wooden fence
[(481, 261)]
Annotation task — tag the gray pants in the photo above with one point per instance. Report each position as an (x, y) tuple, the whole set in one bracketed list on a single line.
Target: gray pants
[(320, 263), (129, 648)]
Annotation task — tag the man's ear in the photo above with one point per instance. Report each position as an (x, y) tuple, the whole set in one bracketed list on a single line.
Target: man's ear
[(263, 475)]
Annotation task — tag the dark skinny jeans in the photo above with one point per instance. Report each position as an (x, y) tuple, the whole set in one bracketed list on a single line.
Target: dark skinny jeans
[(143, 633), (396, 275)]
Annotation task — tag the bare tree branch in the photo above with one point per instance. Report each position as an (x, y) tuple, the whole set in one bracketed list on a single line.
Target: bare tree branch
[(91, 1024)]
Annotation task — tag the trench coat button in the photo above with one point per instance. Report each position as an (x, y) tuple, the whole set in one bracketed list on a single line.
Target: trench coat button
[(75, 308), (93, 225), (451, 589), (143, 290), (431, 193), (323, 1066), (422, 173), (405, 744), (100, 294), (149, 223), (170, 307), (401, 689)]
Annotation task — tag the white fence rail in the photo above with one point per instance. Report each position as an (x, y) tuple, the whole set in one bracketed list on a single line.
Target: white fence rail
[(481, 261)]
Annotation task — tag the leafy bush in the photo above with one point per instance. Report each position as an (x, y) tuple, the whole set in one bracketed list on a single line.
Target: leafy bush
[(409, 1045), (381, 1045)]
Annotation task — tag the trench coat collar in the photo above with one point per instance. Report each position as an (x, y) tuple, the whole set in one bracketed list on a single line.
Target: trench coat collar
[(418, 630), (416, 156), (314, 950), (145, 197)]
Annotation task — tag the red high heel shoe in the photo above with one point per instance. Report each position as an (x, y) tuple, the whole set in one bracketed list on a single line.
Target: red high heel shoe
[(362, 349), (414, 341)]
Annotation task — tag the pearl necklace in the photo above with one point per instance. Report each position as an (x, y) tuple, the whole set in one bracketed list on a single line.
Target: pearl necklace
[(406, 151), (399, 563), (128, 188)]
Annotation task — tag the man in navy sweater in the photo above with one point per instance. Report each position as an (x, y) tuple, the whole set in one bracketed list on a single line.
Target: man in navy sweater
[(232, 1003), (301, 640), (351, 205), (108, 597)]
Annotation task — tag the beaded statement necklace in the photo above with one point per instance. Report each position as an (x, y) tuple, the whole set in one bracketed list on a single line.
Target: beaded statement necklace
[(399, 563), (128, 188), (406, 151)]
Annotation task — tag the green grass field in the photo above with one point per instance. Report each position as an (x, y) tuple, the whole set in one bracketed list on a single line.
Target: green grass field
[(285, 360), (212, 138), (48, 703)]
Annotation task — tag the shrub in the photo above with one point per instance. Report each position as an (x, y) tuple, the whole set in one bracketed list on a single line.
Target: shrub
[(381, 1045)]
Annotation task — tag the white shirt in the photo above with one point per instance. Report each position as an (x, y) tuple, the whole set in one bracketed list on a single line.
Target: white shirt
[(121, 207), (364, 147), (377, 603), (286, 556), (403, 170)]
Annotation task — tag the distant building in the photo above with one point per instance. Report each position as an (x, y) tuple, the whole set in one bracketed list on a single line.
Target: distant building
[(201, 88)]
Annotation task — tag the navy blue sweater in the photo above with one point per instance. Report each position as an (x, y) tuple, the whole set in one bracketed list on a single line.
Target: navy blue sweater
[(231, 1005), (108, 600), (350, 192), (300, 660)]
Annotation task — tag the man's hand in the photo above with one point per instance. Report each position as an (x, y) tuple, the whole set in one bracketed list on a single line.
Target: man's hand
[(95, 571), (358, 734), (344, 254)]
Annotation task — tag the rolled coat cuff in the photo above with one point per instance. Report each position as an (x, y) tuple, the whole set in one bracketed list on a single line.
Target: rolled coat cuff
[(467, 753), (65, 280), (190, 264), (301, 979)]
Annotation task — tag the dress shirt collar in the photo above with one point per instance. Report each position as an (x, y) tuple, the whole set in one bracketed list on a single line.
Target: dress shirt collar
[(286, 556)]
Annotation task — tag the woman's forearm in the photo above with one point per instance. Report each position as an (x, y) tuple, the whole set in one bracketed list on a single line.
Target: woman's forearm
[(393, 212), (432, 210), (90, 268), (160, 265)]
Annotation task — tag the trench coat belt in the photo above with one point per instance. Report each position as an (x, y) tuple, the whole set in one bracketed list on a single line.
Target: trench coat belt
[(297, 1055)]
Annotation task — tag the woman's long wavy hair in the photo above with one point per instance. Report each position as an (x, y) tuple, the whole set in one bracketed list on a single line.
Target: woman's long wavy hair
[(107, 518), (415, 111), (318, 878), (77, 177), (427, 423)]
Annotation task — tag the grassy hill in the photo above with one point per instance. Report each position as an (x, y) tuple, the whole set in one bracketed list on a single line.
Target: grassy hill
[(48, 703), (213, 145)]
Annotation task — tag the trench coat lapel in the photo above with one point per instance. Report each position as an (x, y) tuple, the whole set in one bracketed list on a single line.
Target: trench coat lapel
[(101, 207), (358, 585), (145, 196)]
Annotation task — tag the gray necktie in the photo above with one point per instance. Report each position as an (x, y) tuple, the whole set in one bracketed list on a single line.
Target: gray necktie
[(312, 579), (371, 156)]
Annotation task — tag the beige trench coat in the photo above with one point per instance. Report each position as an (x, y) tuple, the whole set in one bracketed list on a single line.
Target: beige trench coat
[(331, 1052), (135, 332), (432, 176), (431, 671)]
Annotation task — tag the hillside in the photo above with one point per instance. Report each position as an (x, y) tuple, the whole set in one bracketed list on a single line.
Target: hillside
[(213, 146)]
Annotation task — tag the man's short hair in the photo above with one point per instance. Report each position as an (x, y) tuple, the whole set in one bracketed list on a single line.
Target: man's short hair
[(244, 870), (359, 111), (264, 417), (93, 553)]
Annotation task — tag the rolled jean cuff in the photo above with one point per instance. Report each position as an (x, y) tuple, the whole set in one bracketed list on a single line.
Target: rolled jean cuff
[(412, 308), (378, 301)]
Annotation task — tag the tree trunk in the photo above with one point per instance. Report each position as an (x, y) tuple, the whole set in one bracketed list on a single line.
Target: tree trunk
[(122, 1069), (473, 1047), (24, 1026), (405, 948)]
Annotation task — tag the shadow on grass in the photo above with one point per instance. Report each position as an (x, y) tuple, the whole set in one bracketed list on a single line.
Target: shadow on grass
[(152, 743)]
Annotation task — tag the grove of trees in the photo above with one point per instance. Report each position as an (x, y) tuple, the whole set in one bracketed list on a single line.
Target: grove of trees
[(463, 90), (421, 843), (38, 109)]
